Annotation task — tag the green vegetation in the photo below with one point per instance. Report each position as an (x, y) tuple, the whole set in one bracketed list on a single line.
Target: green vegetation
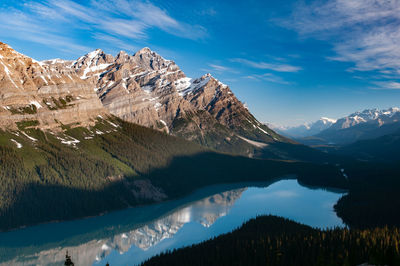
[(270, 240), (30, 109), (27, 123), (384, 149), (60, 103), (82, 172), (50, 180), (373, 198)]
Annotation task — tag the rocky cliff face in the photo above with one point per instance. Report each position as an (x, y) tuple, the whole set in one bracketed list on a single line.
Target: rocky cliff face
[(149, 90), (143, 88), (45, 94)]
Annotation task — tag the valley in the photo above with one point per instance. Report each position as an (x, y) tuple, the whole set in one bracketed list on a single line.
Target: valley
[(87, 137)]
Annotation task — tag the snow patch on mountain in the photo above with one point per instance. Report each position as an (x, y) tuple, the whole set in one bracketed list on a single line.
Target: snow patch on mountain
[(36, 103), (19, 145), (254, 143)]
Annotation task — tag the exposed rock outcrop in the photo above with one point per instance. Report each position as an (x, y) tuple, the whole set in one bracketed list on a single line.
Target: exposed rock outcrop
[(149, 90), (143, 88), (49, 93)]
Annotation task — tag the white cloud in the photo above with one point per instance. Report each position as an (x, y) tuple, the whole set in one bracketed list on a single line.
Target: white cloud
[(387, 85), (364, 32), (268, 77), (16, 24), (219, 68), (271, 66), (57, 20)]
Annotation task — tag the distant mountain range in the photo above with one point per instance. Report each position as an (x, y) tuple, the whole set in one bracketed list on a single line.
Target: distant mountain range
[(367, 124), (306, 130), (102, 132)]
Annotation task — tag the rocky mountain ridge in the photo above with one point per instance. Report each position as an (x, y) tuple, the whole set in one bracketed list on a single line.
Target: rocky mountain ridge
[(146, 89), (373, 116), (143, 88), (362, 125), (307, 129), (46, 95)]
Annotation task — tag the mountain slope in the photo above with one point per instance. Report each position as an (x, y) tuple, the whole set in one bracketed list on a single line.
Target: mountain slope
[(114, 164), (308, 129), (32, 91), (276, 241), (367, 124), (149, 90), (64, 155), (385, 148), (143, 88)]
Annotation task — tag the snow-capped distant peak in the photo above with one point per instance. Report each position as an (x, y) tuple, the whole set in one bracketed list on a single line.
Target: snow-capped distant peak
[(307, 129), (328, 120), (53, 61), (94, 53), (144, 50)]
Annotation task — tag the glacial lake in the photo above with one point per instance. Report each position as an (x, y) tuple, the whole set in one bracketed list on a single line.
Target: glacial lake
[(130, 236)]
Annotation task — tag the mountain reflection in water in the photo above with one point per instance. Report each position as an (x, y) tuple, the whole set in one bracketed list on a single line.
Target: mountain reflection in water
[(191, 223)]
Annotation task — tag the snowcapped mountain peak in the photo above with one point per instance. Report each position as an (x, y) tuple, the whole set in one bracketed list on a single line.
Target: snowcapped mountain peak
[(369, 123), (150, 60), (391, 111), (94, 53), (54, 61), (327, 120), (369, 115), (308, 129), (144, 50), (122, 53)]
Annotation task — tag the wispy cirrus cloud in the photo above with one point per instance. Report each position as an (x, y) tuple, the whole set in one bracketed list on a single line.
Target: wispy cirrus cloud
[(58, 20), (221, 68), (22, 26), (366, 33), (278, 67), (268, 77), (116, 41), (387, 85)]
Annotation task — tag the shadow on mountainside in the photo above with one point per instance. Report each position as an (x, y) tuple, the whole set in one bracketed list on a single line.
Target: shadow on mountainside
[(37, 203)]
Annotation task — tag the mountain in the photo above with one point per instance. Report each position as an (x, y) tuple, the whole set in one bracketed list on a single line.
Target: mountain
[(68, 147), (33, 92), (143, 88), (385, 148), (205, 212), (306, 130), (367, 124), (149, 90)]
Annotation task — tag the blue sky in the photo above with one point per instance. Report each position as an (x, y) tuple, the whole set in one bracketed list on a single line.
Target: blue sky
[(290, 61)]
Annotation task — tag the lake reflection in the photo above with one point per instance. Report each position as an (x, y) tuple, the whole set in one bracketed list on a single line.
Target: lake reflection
[(191, 223)]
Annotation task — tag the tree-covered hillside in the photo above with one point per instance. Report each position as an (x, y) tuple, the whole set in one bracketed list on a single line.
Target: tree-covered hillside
[(80, 172), (270, 240)]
